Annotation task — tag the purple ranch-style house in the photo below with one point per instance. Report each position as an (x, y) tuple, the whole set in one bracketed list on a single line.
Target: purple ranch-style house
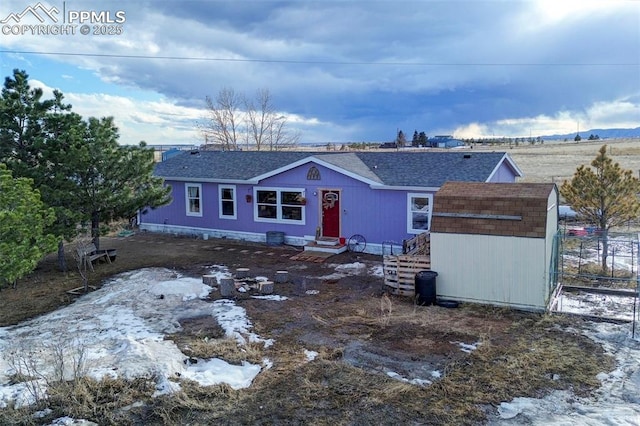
[(305, 197)]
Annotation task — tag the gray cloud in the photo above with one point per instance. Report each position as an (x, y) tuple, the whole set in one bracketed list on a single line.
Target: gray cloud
[(370, 67)]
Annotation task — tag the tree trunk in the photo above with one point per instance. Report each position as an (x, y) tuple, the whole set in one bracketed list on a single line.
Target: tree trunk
[(62, 261), (605, 250), (95, 229)]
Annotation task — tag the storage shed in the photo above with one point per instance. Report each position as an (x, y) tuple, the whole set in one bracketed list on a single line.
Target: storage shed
[(493, 243)]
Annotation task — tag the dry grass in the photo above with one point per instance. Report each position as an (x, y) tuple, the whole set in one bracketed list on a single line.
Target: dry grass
[(108, 402), (226, 349), (193, 404), (541, 358), (556, 162), (332, 392)]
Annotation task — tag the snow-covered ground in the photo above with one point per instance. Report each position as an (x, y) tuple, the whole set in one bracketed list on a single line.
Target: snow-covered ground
[(617, 401), (120, 330)]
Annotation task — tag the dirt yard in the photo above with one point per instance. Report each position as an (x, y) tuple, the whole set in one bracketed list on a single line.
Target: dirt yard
[(361, 335)]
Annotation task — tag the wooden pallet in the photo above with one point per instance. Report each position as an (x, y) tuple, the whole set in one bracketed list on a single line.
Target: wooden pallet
[(400, 272), (419, 245), (310, 256)]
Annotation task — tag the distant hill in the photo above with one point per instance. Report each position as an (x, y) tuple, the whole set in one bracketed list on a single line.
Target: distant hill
[(603, 133)]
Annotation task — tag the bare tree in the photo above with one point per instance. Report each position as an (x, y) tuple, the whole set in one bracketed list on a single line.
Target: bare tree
[(82, 261), (279, 136), (266, 128), (224, 120), (260, 125), (258, 118)]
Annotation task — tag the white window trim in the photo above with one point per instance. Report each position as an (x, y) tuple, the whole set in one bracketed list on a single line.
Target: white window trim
[(234, 199), (186, 199), (279, 219), (411, 195)]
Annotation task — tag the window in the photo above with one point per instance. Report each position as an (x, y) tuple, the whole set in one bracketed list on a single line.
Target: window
[(279, 205), (419, 213), (227, 201), (193, 193)]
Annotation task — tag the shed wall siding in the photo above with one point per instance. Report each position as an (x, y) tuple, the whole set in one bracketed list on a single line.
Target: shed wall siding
[(490, 269), (552, 229)]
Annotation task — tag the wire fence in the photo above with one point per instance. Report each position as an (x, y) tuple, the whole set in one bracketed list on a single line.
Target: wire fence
[(594, 257), (598, 269)]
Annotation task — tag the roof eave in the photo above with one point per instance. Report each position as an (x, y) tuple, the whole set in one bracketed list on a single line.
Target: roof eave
[(209, 180), (405, 188)]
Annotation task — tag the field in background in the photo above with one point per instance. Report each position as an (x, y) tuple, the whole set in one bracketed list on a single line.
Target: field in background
[(558, 161), (552, 161)]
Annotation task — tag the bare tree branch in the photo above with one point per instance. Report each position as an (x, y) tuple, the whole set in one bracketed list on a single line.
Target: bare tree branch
[(264, 127), (223, 122)]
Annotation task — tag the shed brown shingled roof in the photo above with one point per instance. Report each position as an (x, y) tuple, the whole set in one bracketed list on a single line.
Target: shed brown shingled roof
[(508, 209)]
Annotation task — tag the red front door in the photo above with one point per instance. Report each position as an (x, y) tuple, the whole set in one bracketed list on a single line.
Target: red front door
[(330, 213)]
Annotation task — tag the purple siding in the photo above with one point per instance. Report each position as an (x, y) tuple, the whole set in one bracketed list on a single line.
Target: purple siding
[(504, 173), (380, 215)]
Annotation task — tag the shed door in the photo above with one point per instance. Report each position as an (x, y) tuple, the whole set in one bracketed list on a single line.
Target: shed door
[(330, 213)]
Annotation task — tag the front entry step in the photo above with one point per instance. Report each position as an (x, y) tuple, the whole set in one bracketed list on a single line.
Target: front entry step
[(325, 248), (327, 241)]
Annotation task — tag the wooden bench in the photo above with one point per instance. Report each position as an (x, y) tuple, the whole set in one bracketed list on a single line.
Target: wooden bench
[(89, 253)]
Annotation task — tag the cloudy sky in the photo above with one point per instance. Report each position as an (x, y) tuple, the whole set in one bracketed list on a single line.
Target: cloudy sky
[(342, 71)]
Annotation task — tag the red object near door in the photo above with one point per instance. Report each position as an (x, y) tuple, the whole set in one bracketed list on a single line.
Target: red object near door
[(330, 213)]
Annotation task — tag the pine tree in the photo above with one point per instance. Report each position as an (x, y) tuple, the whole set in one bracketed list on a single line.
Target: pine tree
[(606, 196), (422, 139), (78, 166), (401, 140), (115, 181), (414, 140), (23, 220)]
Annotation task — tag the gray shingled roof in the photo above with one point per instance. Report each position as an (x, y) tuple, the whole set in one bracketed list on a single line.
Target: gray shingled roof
[(423, 169)]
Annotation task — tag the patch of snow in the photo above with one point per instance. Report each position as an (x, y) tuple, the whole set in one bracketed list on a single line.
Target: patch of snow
[(165, 386), (273, 297), (603, 305), (233, 320), (312, 292), (42, 413), (310, 355), (355, 268), (68, 421), (334, 276), (187, 288), (215, 371), (616, 402), (418, 382), (120, 329), (376, 271), (466, 347)]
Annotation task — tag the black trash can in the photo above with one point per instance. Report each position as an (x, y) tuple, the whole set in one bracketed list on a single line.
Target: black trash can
[(425, 282)]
